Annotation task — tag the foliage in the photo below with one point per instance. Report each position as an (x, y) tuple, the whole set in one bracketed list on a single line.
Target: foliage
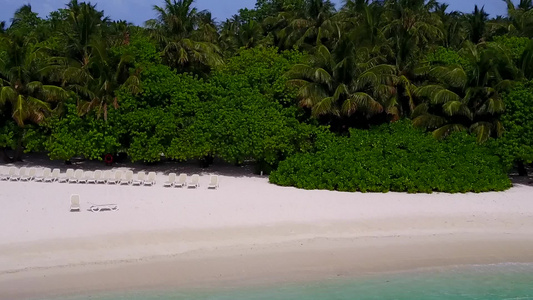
[(515, 45), (448, 57), (516, 145), (460, 99), (72, 135), (394, 157)]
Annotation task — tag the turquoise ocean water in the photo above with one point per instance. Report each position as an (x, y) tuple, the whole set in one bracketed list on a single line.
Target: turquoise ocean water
[(487, 282)]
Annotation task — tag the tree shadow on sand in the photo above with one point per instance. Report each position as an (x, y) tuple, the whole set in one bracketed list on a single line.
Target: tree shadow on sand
[(219, 167)]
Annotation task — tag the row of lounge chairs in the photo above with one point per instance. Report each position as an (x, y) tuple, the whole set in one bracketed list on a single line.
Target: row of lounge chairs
[(79, 176), (102, 177), (181, 181)]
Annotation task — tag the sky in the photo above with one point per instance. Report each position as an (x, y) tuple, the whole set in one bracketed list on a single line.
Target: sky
[(138, 11)]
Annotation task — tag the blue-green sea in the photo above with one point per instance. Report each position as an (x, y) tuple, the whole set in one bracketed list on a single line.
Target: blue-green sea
[(502, 281)]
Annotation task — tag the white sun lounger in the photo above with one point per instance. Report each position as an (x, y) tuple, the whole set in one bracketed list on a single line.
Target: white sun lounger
[(101, 207), (85, 176), (151, 179), (4, 173), (182, 180), (105, 176), (140, 179), (91, 176), (16, 177), (47, 172), (110, 178), (54, 176), (75, 202), (195, 181), (68, 175), (213, 182), (7, 176), (29, 175), (171, 180), (12, 173), (128, 178), (78, 175), (116, 178)]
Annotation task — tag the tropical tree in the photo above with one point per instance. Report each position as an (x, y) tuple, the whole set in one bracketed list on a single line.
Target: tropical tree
[(466, 97), (183, 44), (24, 93), (521, 17), (343, 92), (236, 34), (477, 24), (85, 25), (411, 29), (306, 27), (99, 80)]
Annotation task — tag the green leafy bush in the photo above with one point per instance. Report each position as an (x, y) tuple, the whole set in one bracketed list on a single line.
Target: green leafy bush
[(515, 45), (72, 135), (516, 144), (394, 157)]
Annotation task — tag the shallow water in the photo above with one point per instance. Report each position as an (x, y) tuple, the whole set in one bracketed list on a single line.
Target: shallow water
[(502, 281)]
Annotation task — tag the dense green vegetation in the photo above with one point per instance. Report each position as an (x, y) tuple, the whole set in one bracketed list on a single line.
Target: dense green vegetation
[(394, 157), (400, 95)]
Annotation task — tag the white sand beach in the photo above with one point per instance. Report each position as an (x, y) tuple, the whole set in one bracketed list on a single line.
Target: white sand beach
[(246, 232)]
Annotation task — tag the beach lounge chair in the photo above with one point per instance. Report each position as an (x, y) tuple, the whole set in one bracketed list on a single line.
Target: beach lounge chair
[(182, 180), (213, 182), (105, 176), (140, 179), (3, 173), (12, 173), (195, 181), (54, 176), (75, 202), (16, 177), (29, 175), (47, 172), (171, 180), (92, 178), (101, 207), (78, 175), (151, 179), (6, 173), (85, 176), (128, 178), (111, 178), (115, 179), (69, 174)]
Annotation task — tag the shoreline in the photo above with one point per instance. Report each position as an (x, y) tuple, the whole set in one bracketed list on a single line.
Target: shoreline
[(248, 232), (297, 261)]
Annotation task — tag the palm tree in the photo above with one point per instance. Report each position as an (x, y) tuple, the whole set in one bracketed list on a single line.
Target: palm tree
[(362, 21), (85, 26), (99, 80), (342, 92), (177, 30), (466, 99), (305, 28), (477, 23), (236, 34), (23, 90), (521, 18), (22, 81), (411, 28)]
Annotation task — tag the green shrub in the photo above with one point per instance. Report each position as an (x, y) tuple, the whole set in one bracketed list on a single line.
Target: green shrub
[(394, 157), (516, 144)]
